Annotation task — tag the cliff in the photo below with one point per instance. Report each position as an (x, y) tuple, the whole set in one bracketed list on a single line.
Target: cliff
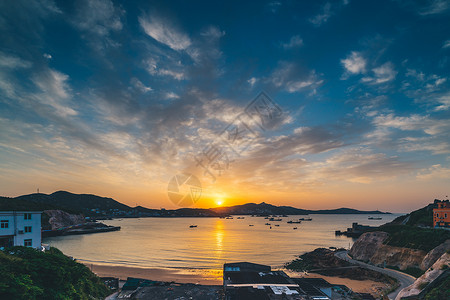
[(422, 283), (370, 247), (60, 219)]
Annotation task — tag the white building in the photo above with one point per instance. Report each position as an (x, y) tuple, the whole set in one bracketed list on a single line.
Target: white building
[(20, 228)]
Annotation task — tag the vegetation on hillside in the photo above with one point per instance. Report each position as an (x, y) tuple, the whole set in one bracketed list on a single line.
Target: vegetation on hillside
[(421, 217), (413, 237), (323, 261), (442, 291), (26, 273)]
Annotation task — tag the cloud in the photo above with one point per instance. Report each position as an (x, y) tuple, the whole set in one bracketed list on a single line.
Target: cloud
[(176, 73), (354, 63), (213, 32), (140, 86), (293, 78), (444, 102), (294, 42), (55, 91), (252, 81), (434, 7), (274, 6), (164, 32), (381, 74), (13, 62), (446, 44), (323, 16), (47, 56), (434, 172), (99, 18)]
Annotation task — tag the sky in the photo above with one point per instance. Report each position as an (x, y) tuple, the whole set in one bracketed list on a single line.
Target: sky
[(313, 104)]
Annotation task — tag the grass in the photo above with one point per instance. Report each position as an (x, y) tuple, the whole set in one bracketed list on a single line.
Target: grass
[(412, 237)]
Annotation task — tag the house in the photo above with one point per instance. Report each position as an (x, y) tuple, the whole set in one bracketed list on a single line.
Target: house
[(441, 214), (20, 228), (246, 280)]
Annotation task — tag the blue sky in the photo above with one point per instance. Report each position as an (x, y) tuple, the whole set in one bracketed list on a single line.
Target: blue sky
[(116, 97)]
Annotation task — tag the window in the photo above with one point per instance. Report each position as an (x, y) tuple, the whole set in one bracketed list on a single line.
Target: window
[(27, 243), (4, 224), (27, 228), (27, 216)]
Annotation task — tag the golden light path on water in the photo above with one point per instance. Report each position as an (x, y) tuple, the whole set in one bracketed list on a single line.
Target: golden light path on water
[(170, 243)]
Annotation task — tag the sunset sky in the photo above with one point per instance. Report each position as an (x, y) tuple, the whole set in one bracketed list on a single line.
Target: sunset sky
[(115, 98)]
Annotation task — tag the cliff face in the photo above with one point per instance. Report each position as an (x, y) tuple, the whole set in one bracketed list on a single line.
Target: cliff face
[(370, 247), (59, 219), (434, 254), (431, 274)]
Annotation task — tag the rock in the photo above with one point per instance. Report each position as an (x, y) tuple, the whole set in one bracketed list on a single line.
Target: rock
[(370, 247), (367, 244), (434, 255), (59, 219), (431, 274)]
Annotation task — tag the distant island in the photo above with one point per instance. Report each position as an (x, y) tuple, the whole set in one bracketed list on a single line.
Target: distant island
[(101, 207)]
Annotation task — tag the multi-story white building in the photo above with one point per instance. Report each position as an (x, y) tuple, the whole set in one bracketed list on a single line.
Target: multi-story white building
[(20, 228)]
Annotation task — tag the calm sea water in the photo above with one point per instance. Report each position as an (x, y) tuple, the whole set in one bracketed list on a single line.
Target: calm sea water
[(170, 243)]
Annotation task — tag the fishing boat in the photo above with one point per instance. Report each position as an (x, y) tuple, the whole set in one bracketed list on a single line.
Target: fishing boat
[(305, 219), (193, 226), (294, 228), (294, 222), (375, 218), (267, 224)]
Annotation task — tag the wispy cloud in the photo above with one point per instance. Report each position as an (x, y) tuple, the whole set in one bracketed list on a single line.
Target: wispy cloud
[(446, 44), (323, 16), (99, 18), (294, 42), (381, 74), (294, 78), (163, 31), (434, 7)]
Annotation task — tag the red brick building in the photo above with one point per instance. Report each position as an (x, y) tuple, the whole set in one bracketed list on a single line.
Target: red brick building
[(441, 214)]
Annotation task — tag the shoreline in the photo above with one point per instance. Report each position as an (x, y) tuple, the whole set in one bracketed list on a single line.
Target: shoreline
[(214, 277), (203, 277)]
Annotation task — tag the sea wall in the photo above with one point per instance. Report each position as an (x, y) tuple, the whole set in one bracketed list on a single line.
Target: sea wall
[(370, 248)]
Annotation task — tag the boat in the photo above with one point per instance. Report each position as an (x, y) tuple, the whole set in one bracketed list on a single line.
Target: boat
[(294, 222), (193, 226), (241, 217), (229, 218), (267, 224), (305, 219), (294, 228), (277, 225), (251, 225), (375, 218), (273, 219)]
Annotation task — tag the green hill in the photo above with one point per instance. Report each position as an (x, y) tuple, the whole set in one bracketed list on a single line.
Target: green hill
[(27, 273)]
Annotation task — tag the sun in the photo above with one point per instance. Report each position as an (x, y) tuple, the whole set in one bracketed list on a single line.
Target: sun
[(219, 202)]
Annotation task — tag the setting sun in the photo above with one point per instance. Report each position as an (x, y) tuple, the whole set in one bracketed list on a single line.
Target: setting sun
[(219, 202)]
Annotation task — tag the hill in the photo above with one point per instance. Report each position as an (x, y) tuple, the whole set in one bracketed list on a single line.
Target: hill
[(92, 205), (32, 274)]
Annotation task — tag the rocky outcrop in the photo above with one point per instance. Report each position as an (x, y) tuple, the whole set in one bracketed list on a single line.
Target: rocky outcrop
[(434, 255), (402, 258), (439, 267), (369, 247), (60, 219), (367, 244)]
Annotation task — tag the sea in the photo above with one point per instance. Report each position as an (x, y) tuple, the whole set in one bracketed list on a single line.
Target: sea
[(171, 243)]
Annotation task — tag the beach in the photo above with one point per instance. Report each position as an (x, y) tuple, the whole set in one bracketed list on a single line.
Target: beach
[(204, 277), (214, 277)]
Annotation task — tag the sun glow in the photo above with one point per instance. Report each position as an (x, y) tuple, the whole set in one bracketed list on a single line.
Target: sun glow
[(219, 202)]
